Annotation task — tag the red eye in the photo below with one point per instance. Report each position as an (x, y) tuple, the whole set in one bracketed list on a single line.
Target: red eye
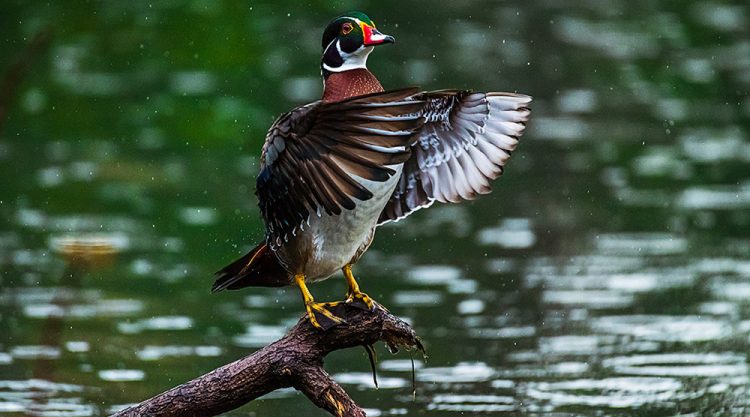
[(346, 28)]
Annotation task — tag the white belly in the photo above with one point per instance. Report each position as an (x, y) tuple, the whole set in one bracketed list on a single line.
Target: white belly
[(336, 239)]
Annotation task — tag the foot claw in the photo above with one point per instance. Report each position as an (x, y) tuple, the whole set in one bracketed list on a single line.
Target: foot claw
[(360, 300), (321, 317)]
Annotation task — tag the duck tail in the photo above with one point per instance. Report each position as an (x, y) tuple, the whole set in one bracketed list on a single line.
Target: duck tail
[(258, 268)]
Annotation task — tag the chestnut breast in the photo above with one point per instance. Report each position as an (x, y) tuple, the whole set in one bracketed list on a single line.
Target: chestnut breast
[(356, 82)]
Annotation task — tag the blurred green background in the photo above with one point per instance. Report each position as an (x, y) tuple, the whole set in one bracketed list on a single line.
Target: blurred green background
[(608, 274)]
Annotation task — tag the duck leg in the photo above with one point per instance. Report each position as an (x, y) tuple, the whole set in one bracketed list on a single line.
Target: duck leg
[(320, 317), (354, 296)]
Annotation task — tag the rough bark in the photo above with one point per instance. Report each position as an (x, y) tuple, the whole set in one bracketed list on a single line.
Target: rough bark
[(296, 360)]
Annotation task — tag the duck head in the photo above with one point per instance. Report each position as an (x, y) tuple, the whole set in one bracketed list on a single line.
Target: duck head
[(348, 40)]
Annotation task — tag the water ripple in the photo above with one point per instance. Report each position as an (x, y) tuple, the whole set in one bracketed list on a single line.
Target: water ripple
[(154, 353), (121, 375), (257, 335), (641, 244), (156, 323), (683, 329), (680, 365), (461, 372), (609, 392), (363, 380)]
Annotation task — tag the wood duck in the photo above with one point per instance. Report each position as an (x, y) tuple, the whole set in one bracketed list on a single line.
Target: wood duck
[(334, 170)]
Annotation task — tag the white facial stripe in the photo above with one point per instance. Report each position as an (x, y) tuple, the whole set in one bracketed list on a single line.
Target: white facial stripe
[(357, 53), (356, 59), (329, 45)]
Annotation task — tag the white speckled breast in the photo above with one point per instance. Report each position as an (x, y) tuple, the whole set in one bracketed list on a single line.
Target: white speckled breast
[(334, 240)]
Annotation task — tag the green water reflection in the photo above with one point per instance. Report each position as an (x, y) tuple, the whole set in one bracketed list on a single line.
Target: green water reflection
[(608, 273)]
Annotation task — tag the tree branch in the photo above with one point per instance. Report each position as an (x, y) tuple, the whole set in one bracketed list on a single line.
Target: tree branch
[(295, 360)]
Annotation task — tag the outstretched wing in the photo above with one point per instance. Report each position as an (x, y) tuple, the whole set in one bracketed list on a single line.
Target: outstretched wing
[(463, 145), (314, 156)]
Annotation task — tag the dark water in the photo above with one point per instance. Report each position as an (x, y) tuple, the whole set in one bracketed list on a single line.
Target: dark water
[(607, 275)]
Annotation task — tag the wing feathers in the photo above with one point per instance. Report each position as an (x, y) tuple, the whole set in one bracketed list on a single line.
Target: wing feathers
[(465, 142), (314, 155)]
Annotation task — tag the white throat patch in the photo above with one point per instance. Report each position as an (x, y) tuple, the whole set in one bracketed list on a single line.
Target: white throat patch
[(356, 59)]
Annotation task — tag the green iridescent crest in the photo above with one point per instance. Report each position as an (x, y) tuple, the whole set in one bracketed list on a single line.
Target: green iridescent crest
[(361, 16), (334, 27)]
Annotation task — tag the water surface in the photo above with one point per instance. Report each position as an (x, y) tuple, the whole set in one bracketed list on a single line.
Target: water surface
[(607, 275)]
